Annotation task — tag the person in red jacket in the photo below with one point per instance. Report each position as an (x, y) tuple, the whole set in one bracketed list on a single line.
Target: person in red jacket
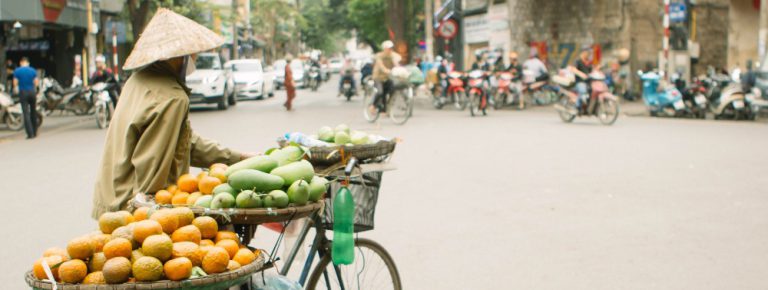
[(290, 88)]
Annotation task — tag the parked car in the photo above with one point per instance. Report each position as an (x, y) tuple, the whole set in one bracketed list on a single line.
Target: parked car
[(299, 77), (209, 82), (249, 80), (335, 65)]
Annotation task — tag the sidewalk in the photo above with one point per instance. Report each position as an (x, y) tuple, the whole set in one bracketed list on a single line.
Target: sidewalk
[(50, 123)]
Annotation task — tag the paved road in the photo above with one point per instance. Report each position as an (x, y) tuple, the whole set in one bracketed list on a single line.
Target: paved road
[(515, 200)]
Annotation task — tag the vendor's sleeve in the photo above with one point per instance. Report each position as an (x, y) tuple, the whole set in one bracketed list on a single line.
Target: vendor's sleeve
[(154, 153), (206, 152)]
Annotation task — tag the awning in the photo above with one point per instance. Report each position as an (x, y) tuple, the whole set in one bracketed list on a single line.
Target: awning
[(64, 12)]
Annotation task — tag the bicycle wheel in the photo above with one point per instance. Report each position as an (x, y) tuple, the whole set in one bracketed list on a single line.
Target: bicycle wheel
[(370, 112), (373, 268), (399, 107), (460, 100)]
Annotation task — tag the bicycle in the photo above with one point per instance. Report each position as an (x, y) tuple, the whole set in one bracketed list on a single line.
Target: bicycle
[(399, 105), (368, 253)]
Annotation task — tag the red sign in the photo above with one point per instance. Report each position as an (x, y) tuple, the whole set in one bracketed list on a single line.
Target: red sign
[(448, 29), (52, 9)]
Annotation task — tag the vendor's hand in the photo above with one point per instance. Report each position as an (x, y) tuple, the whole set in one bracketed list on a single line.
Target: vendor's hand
[(244, 156)]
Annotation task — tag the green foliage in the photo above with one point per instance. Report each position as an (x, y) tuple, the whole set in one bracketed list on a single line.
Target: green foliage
[(369, 16)]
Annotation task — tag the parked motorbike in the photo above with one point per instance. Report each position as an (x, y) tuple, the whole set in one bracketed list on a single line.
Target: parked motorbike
[(600, 103), (755, 100), (726, 98), (52, 96), (661, 100), (455, 94), (478, 92), (11, 114), (314, 78), (507, 92), (695, 99)]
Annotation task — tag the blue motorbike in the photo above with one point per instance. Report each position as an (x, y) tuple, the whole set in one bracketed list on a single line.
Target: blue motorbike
[(667, 101)]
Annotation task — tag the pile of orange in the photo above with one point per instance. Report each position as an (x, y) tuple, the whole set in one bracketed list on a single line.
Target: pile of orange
[(146, 245), (189, 188)]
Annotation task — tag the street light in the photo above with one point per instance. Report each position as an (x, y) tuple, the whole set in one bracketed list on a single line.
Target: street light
[(17, 25)]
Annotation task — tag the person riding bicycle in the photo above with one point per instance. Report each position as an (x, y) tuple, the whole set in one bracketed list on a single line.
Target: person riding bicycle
[(347, 73), (384, 62), (581, 70)]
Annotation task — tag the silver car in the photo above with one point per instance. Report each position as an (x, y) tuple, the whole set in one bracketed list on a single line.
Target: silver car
[(250, 79), (209, 82)]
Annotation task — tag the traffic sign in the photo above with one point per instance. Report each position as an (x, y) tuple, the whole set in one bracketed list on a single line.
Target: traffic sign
[(448, 29), (677, 12)]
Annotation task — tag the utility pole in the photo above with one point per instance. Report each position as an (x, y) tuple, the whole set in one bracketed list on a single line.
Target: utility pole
[(88, 61), (428, 28), (234, 29), (762, 31)]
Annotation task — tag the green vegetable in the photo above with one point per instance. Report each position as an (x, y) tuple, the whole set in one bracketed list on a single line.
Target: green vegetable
[(326, 134), (317, 188), (276, 198), (298, 193), (342, 138), (301, 170), (248, 199), (255, 180), (289, 154), (261, 163), (204, 201)]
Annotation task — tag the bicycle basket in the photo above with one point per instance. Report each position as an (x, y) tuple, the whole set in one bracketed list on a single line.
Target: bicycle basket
[(365, 192)]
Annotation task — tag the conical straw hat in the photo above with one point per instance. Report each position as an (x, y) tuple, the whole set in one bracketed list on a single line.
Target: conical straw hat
[(170, 35)]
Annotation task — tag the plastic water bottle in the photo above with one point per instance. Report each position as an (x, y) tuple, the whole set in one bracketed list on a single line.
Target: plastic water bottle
[(343, 251), (304, 140)]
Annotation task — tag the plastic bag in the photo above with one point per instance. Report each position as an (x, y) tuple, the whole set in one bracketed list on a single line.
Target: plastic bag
[(275, 282)]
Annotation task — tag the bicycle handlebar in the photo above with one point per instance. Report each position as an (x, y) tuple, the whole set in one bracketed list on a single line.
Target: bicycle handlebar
[(350, 166)]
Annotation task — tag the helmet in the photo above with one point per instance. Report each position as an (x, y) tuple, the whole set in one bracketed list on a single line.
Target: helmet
[(439, 58), (387, 44), (101, 58)]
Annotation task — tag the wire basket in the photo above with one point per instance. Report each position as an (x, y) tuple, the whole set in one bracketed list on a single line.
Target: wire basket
[(365, 192)]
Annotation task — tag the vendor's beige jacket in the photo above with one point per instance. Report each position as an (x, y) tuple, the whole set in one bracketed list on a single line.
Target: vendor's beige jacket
[(150, 142)]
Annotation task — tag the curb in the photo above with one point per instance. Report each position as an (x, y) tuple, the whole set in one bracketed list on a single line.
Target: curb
[(19, 135)]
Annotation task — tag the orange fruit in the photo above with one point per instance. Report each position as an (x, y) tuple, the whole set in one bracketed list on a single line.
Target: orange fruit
[(55, 251), (146, 228), (187, 183), (206, 242), (185, 215), (135, 255), (73, 271), (140, 214), (80, 248), (208, 183), (229, 245), (226, 235), (178, 269), (220, 174), (166, 218), (52, 261), (193, 198), (95, 278), (204, 250), (233, 265), (118, 247), (158, 246), (220, 166), (99, 240), (188, 250), (163, 197), (127, 216), (201, 175), (244, 256), (180, 198), (147, 269), (188, 233), (126, 232), (109, 221), (172, 188), (215, 261), (207, 225), (96, 263)]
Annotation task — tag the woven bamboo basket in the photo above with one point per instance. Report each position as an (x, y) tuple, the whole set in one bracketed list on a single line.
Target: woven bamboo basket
[(365, 153), (211, 282), (243, 216)]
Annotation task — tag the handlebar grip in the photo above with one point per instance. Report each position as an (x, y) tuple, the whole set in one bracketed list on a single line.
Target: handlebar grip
[(350, 166)]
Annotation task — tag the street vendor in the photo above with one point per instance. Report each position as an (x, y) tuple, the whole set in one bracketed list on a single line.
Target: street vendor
[(150, 142)]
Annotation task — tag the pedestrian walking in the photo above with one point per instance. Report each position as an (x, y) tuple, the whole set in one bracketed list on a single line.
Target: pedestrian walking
[(24, 83), (150, 142), (290, 88)]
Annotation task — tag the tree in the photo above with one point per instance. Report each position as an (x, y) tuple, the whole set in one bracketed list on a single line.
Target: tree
[(138, 10), (368, 17), (276, 20)]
